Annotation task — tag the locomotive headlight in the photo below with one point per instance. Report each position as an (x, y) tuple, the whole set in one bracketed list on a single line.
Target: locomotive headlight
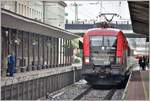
[(118, 59), (103, 48), (111, 59), (87, 60), (106, 62)]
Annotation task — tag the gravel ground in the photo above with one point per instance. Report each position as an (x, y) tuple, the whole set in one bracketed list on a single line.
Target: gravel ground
[(95, 95), (118, 94), (69, 92), (72, 91)]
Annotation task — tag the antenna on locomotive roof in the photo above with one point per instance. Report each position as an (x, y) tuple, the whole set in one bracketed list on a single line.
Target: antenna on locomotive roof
[(106, 23)]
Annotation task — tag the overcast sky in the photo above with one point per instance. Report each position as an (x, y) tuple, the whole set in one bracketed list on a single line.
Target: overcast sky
[(90, 9)]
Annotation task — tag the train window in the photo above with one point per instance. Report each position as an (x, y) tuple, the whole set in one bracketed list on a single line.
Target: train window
[(96, 40), (110, 41)]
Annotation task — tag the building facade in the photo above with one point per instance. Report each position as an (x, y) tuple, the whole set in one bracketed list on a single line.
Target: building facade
[(54, 13), (49, 12), (32, 9), (33, 51)]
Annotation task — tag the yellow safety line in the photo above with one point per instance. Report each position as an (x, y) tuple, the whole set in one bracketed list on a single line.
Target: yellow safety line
[(145, 92)]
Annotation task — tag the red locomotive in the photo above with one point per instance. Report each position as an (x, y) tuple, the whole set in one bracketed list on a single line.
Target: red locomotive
[(105, 53)]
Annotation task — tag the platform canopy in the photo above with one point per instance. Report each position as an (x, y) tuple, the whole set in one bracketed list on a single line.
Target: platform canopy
[(134, 35), (15, 21), (139, 12)]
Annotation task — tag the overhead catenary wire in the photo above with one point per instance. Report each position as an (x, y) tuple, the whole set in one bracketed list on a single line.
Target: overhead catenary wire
[(84, 14)]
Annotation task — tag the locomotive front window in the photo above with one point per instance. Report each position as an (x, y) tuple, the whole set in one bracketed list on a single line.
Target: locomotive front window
[(110, 41), (103, 41), (96, 40), (102, 49)]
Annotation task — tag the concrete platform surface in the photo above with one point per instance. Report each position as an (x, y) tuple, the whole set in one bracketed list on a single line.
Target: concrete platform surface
[(20, 77), (138, 86)]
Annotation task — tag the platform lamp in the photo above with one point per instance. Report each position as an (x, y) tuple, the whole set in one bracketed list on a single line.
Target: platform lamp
[(17, 43), (34, 43)]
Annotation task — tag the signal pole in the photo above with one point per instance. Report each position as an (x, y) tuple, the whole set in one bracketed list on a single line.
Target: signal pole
[(101, 6), (76, 12)]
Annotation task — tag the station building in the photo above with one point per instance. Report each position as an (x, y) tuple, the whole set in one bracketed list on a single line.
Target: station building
[(41, 47), (30, 33), (50, 12)]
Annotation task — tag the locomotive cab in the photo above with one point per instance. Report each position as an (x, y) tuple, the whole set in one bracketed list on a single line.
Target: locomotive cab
[(103, 52), (105, 55)]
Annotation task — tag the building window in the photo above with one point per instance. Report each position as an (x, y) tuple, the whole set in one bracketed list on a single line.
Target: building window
[(39, 14), (33, 13), (25, 10), (30, 14), (42, 16), (22, 9), (19, 8)]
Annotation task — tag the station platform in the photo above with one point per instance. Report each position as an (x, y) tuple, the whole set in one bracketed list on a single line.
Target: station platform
[(138, 85), (26, 76)]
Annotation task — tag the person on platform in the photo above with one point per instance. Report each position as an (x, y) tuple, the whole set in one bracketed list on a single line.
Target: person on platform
[(147, 62), (143, 63), (11, 65), (140, 62)]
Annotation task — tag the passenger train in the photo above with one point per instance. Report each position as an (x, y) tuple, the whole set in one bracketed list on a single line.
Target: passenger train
[(105, 56)]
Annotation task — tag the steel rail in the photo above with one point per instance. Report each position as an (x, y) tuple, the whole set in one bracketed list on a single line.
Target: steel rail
[(83, 94), (110, 94)]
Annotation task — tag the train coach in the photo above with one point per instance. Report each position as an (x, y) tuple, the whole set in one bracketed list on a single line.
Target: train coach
[(105, 55)]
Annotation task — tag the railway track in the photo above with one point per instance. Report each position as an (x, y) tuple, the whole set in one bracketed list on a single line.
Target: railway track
[(86, 92), (110, 94), (96, 94), (82, 94), (113, 93)]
